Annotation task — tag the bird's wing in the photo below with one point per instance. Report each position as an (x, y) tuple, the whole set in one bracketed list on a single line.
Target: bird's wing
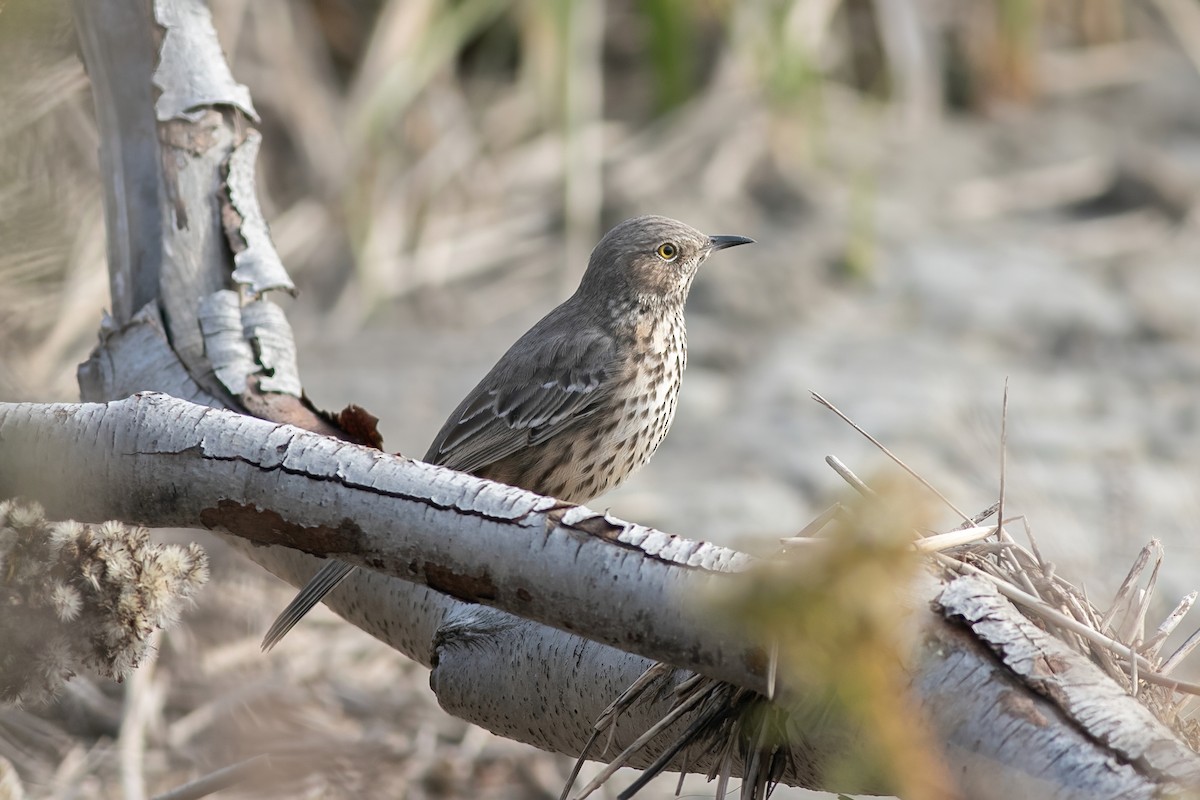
[(542, 385)]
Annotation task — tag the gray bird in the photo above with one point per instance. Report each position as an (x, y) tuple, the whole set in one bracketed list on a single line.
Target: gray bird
[(585, 397)]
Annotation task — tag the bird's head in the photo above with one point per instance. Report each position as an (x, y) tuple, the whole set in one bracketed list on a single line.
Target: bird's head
[(651, 260)]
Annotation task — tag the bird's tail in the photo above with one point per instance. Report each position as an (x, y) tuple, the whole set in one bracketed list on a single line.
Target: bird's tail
[(321, 584)]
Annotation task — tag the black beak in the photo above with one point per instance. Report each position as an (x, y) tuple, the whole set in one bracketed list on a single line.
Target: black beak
[(721, 242)]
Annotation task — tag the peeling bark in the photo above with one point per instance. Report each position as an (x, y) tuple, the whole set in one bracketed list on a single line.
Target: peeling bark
[(481, 542), (1014, 707)]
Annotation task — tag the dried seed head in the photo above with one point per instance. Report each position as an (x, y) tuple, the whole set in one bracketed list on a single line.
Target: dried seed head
[(82, 596), (63, 534), (25, 515), (67, 601)]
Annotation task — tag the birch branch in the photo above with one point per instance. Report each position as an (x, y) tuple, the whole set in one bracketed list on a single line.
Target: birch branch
[(169, 463), (1014, 707)]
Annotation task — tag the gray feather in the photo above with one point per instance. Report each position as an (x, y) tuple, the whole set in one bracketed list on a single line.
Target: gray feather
[(544, 385)]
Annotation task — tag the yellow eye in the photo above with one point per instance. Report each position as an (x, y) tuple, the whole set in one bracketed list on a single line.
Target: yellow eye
[(667, 251)]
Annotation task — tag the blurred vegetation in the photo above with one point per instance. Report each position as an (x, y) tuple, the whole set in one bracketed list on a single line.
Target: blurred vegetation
[(839, 619), (418, 142)]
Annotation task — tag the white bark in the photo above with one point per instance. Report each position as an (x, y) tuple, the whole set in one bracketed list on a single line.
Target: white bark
[(168, 462), (1015, 707), (159, 461)]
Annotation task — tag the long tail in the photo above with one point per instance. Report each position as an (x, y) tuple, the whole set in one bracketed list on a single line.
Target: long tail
[(321, 584)]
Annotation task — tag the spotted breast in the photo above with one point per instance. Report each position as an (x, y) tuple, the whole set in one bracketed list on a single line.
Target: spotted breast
[(605, 448)]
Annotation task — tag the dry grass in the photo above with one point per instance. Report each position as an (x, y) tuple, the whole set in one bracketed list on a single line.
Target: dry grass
[(1120, 639), (412, 144)]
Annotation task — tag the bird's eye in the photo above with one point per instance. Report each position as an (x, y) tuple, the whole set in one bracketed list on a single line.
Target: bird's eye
[(667, 251)]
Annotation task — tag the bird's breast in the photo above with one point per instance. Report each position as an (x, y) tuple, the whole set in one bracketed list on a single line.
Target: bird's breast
[(622, 435), (647, 400)]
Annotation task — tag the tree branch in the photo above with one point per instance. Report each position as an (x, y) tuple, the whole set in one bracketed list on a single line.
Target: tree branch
[(170, 463), (1008, 701)]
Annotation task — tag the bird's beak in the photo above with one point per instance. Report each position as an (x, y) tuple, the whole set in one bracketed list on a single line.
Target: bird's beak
[(721, 242)]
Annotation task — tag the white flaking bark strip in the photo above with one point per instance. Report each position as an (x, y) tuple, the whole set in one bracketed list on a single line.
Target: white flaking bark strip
[(266, 326), (258, 267), (665, 546), (192, 72), (250, 339), (220, 319), (487, 499), (194, 153)]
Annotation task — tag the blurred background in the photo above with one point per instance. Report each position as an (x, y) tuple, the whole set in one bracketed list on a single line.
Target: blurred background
[(946, 195)]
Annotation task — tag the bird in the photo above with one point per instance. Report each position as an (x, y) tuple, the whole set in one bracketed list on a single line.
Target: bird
[(585, 396)]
